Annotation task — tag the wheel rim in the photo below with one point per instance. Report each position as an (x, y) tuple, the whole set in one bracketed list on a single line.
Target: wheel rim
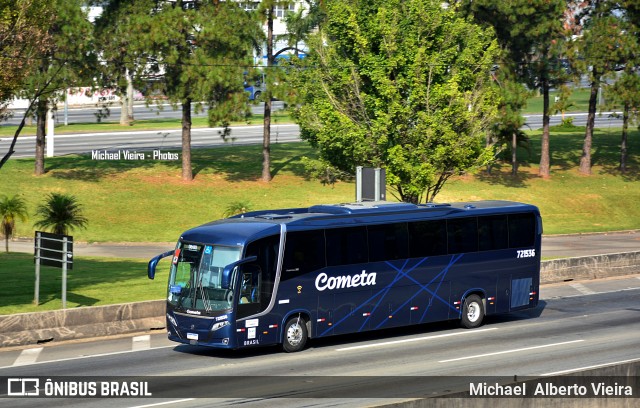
[(294, 334), (473, 312)]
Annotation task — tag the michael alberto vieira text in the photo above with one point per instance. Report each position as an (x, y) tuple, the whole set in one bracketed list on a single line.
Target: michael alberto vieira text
[(132, 155), (549, 389)]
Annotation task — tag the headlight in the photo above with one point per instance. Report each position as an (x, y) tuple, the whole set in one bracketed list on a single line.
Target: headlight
[(219, 326)]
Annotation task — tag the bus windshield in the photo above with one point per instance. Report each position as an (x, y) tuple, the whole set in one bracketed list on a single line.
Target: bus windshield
[(195, 281)]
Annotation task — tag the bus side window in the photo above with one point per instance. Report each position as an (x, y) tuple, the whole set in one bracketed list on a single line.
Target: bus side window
[(388, 242), (250, 287), (522, 230), (304, 252), (462, 235), (427, 238), (346, 246), (493, 232)]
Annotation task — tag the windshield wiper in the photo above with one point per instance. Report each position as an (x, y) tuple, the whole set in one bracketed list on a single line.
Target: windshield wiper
[(205, 298)]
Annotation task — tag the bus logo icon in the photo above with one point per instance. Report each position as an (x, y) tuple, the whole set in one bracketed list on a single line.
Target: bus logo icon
[(23, 387)]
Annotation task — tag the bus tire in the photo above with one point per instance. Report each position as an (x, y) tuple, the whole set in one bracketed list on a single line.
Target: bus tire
[(472, 312), (295, 334)]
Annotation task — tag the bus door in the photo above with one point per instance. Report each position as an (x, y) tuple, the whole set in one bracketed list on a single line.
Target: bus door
[(251, 298)]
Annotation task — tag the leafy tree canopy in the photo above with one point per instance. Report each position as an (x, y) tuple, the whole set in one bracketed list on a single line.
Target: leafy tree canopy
[(400, 85), (202, 52), (23, 36)]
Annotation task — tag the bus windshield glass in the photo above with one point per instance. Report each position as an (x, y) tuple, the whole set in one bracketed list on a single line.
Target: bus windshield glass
[(195, 281)]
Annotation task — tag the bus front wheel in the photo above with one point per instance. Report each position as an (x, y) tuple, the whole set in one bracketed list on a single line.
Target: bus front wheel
[(295, 334), (472, 312)]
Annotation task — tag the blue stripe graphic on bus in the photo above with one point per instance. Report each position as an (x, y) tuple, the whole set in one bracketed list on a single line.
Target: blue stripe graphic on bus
[(403, 274), (425, 288)]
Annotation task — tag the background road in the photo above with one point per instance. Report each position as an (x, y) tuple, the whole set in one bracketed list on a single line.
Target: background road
[(201, 137), (142, 112), (560, 246), (577, 325), (150, 140)]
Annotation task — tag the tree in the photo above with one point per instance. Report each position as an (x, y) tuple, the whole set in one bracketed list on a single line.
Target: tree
[(11, 209), (401, 85), (532, 33), (625, 92), (507, 129), (124, 56), (201, 61), (603, 46), (60, 213), (267, 10), (65, 60), (23, 37)]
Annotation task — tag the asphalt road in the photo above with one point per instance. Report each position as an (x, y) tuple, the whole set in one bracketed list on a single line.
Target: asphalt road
[(577, 326), (146, 141), (205, 137), (560, 246), (140, 112)]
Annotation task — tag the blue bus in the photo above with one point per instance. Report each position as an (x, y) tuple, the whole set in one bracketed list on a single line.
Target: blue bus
[(285, 276)]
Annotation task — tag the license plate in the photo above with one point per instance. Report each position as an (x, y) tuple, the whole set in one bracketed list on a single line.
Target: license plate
[(192, 336)]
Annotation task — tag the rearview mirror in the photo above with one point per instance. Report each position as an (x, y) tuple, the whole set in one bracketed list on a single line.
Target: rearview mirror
[(151, 267), (227, 272)]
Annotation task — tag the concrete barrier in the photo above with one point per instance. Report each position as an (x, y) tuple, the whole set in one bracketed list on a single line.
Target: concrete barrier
[(590, 267), (86, 322)]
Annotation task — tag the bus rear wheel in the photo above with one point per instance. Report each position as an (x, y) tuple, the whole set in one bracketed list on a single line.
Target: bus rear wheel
[(295, 334), (472, 312)]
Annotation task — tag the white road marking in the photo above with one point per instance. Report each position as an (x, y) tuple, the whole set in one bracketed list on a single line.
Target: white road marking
[(164, 403), (95, 355), (141, 343), (590, 367), (148, 132), (582, 289), (28, 356), (388, 343), (510, 351)]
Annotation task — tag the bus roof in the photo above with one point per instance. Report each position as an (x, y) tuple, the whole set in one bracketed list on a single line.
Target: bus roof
[(256, 224)]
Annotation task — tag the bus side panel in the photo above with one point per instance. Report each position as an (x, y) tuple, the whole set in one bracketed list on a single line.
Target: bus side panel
[(324, 313), (392, 307), (519, 289), (351, 311), (431, 303)]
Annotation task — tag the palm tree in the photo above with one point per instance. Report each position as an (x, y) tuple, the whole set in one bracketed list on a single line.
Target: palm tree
[(60, 213), (11, 209)]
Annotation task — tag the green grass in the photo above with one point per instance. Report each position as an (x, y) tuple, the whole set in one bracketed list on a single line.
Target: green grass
[(148, 201), (569, 202), (140, 125), (579, 97), (138, 201), (91, 282)]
